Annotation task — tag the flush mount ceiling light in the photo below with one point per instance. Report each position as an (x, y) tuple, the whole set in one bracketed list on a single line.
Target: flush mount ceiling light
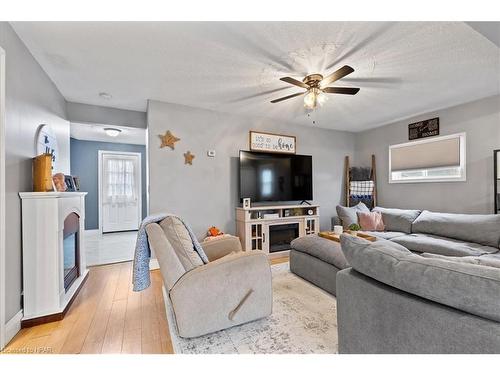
[(105, 95), (315, 84), (112, 132)]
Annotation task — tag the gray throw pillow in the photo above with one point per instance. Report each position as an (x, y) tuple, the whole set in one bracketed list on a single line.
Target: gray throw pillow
[(349, 215), (396, 220)]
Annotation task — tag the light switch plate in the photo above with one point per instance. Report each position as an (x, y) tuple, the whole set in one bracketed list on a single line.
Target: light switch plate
[(211, 153)]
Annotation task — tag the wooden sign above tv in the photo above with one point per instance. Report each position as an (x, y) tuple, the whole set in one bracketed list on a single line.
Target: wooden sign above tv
[(422, 129), (269, 142)]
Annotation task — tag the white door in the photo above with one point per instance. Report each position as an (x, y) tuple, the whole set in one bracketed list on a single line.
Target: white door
[(119, 191)]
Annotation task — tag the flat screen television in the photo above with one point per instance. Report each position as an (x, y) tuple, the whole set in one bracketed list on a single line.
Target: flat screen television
[(266, 177)]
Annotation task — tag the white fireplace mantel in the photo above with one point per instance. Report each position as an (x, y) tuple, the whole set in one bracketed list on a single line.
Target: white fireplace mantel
[(43, 215)]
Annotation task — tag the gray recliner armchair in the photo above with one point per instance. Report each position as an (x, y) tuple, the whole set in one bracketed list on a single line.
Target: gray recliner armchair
[(232, 289)]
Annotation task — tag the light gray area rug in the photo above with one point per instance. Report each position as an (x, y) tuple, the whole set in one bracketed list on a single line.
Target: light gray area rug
[(304, 320)]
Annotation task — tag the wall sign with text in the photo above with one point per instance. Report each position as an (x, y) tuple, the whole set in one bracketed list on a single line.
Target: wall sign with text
[(423, 129), (268, 142)]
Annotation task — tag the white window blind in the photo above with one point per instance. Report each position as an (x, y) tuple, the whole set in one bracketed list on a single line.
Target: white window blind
[(435, 159)]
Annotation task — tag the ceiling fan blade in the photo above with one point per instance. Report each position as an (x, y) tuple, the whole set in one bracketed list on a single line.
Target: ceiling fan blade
[(287, 97), (341, 90), (338, 74), (295, 82)]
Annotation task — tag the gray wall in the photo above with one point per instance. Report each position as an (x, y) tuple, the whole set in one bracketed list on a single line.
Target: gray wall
[(480, 120), (84, 164), (31, 99), (94, 114), (206, 193)]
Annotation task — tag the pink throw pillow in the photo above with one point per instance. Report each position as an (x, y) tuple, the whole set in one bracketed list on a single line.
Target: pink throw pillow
[(371, 221)]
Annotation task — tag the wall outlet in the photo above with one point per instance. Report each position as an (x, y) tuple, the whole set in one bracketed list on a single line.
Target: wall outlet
[(211, 153)]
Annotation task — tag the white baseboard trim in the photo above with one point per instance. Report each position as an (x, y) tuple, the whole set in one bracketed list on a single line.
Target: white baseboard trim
[(153, 264), (13, 326)]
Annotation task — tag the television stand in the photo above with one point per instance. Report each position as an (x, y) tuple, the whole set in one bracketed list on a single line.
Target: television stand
[(272, 228)]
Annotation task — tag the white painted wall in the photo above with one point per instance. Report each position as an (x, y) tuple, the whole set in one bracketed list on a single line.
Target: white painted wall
[(206, 193), (481, 122)]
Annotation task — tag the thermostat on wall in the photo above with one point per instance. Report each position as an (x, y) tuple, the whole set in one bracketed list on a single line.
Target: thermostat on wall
[(211, 153)]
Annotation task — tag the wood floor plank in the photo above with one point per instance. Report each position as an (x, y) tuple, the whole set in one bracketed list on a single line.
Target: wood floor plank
[(92, 347), (113, 338), (132, 342), (124, 281), (58, 337), (97, 329), (152, 347)]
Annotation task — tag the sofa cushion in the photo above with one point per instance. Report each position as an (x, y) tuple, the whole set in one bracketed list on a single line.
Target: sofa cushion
[(396, 220), (467, 287), (385, 235), (179, 238), (482, 260), (349, 215), (492, 260), (427, 243), (321, 248), (482, 229)]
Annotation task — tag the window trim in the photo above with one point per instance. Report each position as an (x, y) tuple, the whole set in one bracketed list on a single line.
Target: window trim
[(463, 141)]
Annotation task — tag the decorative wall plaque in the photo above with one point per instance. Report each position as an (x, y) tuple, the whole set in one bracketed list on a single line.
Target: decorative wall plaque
[(269, 142), (46, 143), (423, 129)]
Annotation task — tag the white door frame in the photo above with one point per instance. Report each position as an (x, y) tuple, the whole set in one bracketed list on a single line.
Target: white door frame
[(2, 199), (99, 182)]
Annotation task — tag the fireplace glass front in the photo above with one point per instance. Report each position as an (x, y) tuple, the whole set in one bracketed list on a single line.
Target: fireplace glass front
[(281, 235), (71, 249)]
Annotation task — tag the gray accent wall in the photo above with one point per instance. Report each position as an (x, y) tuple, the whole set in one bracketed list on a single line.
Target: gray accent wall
[(31, 99), (206, 193), (480, 120), (84, 164)]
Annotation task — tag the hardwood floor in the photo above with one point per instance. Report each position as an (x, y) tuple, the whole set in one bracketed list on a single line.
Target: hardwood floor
[(106, 317)]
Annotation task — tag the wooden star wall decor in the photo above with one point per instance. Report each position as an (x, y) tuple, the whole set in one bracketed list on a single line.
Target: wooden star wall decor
[(188, 158), (168, 140)]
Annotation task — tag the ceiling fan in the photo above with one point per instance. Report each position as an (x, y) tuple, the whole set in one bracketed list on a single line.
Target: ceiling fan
[(316, 89)]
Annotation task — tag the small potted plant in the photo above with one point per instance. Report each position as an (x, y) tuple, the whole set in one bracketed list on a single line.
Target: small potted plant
[(354, 228)]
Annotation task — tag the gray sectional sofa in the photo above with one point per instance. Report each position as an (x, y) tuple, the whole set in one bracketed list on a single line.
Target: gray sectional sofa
[(430, 284)]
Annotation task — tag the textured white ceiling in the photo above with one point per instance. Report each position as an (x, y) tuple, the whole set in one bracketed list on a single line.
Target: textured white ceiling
[(95, 132), (402, 68)]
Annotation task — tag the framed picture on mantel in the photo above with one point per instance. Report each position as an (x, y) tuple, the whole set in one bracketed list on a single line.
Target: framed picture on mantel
[(269, 142)]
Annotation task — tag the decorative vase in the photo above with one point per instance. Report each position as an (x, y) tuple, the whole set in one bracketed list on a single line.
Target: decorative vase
[(354, 232)]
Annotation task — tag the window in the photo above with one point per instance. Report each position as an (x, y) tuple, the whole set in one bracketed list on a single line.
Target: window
[(120, 181), (439, 159)]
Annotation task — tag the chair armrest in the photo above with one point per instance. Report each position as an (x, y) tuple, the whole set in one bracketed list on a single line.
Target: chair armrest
[(216, 249), (229, 291)]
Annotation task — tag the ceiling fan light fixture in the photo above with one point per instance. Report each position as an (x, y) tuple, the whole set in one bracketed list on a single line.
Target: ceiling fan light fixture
[(310, 99), (314, 97), (112, 132), (321, 98)]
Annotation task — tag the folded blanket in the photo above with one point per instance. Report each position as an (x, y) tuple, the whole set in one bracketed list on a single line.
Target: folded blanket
[(140, 277), (361, 187)]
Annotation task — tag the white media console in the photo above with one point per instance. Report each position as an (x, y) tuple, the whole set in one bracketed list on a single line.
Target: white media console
[(271, 228)]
